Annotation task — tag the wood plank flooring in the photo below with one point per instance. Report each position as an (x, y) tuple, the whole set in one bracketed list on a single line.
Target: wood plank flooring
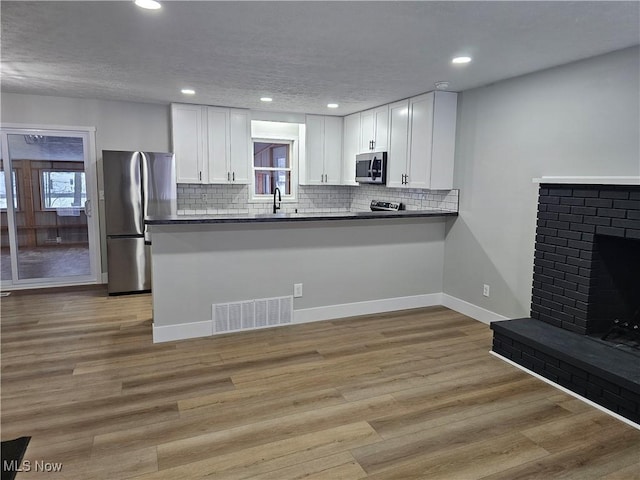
[(405, 395)]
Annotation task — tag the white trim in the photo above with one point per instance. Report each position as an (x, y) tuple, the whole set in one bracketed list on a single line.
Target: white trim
[(591, 180), (205, 328), (10, 287), (104, 277), (344, 310), (29, 126), (182, 331), (566, 390), (331, 312), (294, 148), (470, 310)]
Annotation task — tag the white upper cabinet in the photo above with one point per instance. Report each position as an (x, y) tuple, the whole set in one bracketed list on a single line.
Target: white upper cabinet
[(218, 145), (323, 150), (398, 143), (189, 142), (374, 130), (240, 147), (211, 144), (422, 141), (350, 148)]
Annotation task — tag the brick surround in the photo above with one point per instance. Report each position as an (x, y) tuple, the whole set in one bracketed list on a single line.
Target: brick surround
[(587, 259), (570, 221)]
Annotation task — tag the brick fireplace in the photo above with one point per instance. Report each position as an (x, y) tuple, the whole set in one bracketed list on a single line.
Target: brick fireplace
[(586, 276)]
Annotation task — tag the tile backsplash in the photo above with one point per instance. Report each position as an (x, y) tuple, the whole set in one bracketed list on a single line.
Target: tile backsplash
[(233, 199)]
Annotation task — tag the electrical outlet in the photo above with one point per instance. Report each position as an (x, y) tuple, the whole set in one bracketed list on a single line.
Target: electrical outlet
[(297, 290), (485, 290), (204, 197)]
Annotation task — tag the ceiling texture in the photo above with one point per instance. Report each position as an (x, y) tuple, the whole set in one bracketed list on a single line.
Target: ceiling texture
[(302, 54)]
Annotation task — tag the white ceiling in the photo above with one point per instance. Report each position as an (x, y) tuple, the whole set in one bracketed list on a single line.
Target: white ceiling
[(303, 54)]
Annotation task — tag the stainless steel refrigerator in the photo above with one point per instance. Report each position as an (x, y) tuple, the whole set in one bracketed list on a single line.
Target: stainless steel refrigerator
[(136, 185)]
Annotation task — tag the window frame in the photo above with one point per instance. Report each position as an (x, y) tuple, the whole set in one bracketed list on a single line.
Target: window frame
[(293, 169), (16, 201), (41, 174)]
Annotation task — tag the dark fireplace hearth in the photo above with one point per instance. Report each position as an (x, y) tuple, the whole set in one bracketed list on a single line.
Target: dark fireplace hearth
[(585, 304)]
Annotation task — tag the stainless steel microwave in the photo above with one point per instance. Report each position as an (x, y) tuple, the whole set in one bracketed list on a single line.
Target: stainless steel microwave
[(371, 168)]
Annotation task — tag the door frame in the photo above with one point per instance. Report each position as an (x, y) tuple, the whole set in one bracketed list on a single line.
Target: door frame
[(93, 221)]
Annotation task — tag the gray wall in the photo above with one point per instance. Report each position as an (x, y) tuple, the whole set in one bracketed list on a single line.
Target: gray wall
[(577, 119), (119, 126)]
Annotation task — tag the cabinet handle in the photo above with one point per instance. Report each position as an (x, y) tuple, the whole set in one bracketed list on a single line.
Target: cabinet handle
[(200, 176), (233, 176), (325, 178)]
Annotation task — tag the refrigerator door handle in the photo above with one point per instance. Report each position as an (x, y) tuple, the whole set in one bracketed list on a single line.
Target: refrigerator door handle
[(144, 166)]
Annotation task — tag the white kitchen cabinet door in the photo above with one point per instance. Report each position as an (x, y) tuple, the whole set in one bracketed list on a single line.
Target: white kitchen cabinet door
[(323, 150), (432, 140), (367, 131), (314, 150), (350, 148), (240, 145), (398, 154), (374, 130), (444, 140), (420, 141), (333, 150), (189, 143), (218, 146)]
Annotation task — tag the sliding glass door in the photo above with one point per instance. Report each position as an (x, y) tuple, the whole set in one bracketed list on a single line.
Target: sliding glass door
[(48, 229)]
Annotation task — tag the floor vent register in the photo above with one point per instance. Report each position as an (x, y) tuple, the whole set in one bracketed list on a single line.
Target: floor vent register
[(252, 314)]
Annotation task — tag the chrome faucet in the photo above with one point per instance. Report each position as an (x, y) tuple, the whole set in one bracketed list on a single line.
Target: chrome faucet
[(275, 208)]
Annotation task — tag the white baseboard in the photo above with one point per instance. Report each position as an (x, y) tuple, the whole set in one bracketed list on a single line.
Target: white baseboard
[(470, 310), (566, 390), (205, 328), (331, 312), (182, 331)]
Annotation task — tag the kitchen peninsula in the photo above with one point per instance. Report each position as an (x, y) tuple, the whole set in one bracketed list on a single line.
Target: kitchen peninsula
[(219, 273)]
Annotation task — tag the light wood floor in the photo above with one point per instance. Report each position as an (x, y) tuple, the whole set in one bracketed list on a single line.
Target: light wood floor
[(411, 395)]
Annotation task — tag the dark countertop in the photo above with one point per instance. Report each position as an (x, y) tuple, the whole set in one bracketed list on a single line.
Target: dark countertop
[(293, 217)]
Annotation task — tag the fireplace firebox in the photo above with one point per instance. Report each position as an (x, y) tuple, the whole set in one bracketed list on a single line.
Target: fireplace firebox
[(585, 296)]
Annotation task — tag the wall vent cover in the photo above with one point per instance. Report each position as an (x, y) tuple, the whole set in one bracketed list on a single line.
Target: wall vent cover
[(252, 314)]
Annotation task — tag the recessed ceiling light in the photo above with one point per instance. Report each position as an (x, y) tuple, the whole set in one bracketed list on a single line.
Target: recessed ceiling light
[(461, 60), (332, 105), (148, 4), (188, 91), (266, 99)]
